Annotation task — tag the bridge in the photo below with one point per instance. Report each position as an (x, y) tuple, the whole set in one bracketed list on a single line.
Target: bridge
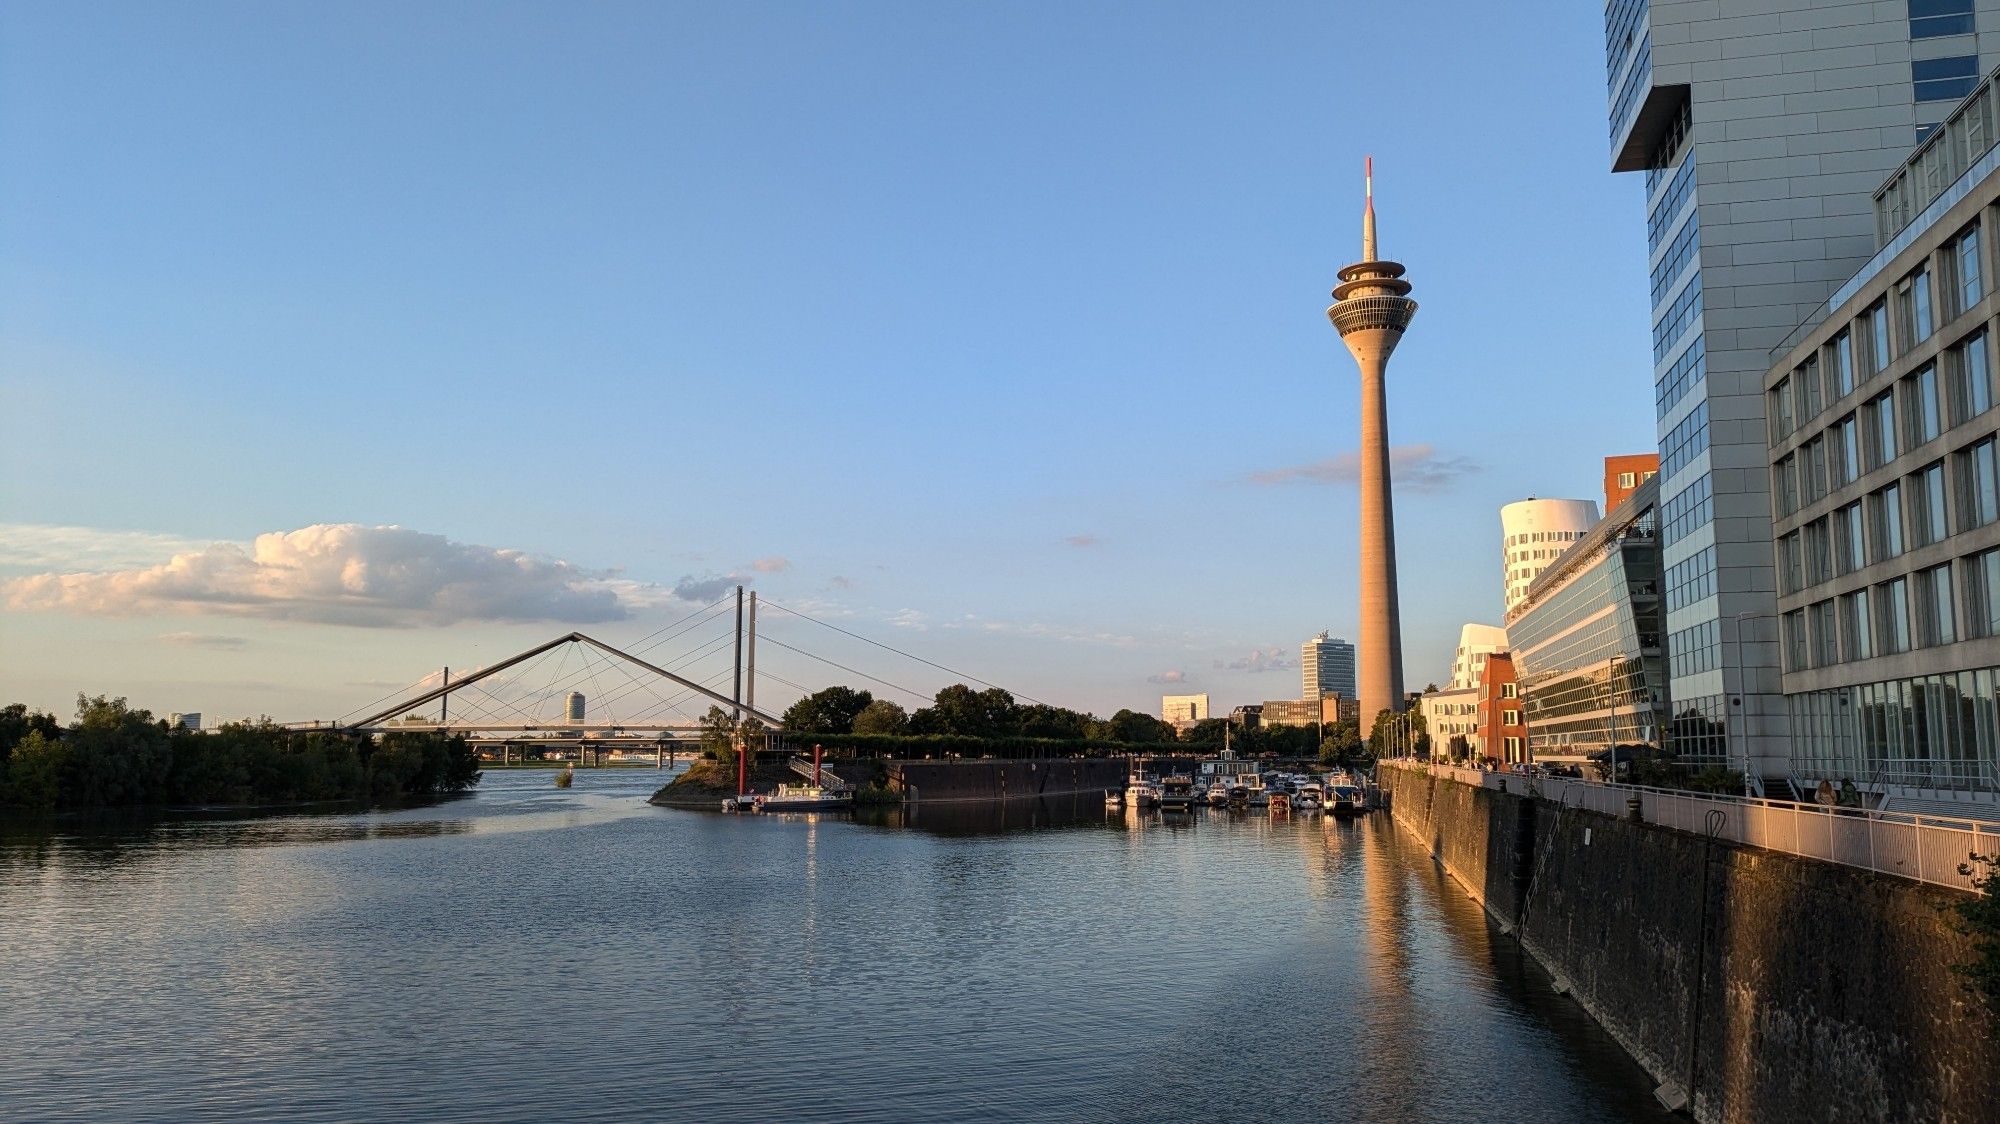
[(580, 696)]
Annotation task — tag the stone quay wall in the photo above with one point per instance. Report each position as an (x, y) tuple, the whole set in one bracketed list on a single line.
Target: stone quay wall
[(991, 778), (1761, 986)]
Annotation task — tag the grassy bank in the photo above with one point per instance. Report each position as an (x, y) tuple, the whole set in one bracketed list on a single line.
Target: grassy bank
[(706, 783)]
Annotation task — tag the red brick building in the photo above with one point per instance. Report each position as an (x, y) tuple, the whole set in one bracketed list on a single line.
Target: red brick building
[(1623, 475), (1503, 723)]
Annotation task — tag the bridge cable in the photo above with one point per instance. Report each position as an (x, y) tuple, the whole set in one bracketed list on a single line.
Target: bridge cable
[(900, 652), (849, 670)]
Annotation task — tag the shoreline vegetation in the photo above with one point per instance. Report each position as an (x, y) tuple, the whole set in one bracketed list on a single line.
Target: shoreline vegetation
[(113, 756)]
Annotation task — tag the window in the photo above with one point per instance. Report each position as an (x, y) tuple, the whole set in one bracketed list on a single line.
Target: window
[(1982, 594), (1842, 360), (1795, 641), (1921, 395), (1846, 451), (1812, 468), (1978, 486), (1920, 306), (1944, 79), (1878, 335), (1932, 18), (1513, 748), (1935, 622), (1882, 411), (1892, 615), (1886, 514), (1965, 260), (1806, 378), (1850, 552), (1858, 639), (1819, 552), (1971, 379), (1825, 634), (1510, 690), (1927, 510), (1510, 717), (1791, 563), (1781, 410)]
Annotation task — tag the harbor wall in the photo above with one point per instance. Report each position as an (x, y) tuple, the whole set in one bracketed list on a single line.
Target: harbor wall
[(987, 778), (1773, 987)]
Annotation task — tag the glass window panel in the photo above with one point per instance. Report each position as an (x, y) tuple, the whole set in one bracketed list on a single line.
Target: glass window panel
[(1970, 281), (1842, 358)]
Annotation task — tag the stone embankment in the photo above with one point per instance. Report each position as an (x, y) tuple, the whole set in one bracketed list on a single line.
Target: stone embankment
[(1755, 985)]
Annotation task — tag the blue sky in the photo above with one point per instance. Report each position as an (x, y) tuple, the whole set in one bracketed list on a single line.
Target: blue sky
[(988, 329)]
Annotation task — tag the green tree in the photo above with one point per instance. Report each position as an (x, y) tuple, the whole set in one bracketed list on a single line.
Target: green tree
[(831, 711), (1041, 720), (958, 709), (718, 736), (34, 774), (1395, 733), (1208, 731), (881, 717), (17, 722), (1131, 726), (1342, 744), (1979, 915)]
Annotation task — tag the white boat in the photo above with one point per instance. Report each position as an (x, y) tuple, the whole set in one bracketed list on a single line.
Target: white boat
[(1114, 799), (1254, 792), (1344, 800), (1142, 793), (1218, 795), (800, 798), (1177, 793), (1311, 797)]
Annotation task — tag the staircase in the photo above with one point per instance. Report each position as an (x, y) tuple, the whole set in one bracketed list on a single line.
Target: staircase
[(803, 766)]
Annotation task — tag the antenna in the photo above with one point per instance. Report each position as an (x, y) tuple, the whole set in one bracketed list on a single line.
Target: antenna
[(1368, 209)]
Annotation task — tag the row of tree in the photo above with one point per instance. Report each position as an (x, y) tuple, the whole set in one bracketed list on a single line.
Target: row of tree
[(112, 755), (993, 714)]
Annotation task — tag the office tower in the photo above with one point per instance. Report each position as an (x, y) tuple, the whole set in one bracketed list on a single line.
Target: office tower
[(1326, 665)]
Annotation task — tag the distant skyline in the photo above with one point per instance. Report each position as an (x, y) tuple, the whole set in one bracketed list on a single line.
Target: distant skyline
[(420, 335)]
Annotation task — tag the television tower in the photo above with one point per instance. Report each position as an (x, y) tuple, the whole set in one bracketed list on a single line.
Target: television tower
[(1371, 307)]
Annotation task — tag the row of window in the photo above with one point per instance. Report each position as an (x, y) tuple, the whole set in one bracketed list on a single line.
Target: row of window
[(1680, 378), (1669, 208), (1916, 511), (1907, 416), (1691, 509), (1691, 580), (1685, 247), (1921, 610), (1814, 385), (1694, 650), (1686, 441), (1968, 134), (1932, 18), (1947, 79), (1543, 536), (1668, 328)]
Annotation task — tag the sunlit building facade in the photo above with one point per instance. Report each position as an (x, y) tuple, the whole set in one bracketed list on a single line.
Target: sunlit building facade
[(1327, 666)]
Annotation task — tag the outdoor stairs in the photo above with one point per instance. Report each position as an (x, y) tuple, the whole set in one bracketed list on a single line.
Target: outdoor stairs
[(803, 766)]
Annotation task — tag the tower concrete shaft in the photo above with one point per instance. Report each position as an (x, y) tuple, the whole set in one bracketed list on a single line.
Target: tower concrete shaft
[(1371, 308)]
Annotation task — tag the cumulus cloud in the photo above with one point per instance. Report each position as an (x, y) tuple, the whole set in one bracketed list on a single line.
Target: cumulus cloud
[(703, 590), (771, 565), (201, 640), (1419, 468), (1260, 660), (1168, 677), (337, 573), (51, 546), (1081, 540)]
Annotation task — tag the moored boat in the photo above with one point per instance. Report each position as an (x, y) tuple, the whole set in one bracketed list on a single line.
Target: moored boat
[(1281, 804), (1177, 793), (1142, 793), (801, 798)]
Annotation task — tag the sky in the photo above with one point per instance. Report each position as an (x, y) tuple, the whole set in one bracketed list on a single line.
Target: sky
[(343, 342)]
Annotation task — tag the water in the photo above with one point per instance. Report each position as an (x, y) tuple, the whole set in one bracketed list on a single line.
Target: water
[(534, 954)]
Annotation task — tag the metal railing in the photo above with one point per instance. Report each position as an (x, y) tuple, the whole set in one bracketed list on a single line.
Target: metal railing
[(803, 766), (1927, 848)]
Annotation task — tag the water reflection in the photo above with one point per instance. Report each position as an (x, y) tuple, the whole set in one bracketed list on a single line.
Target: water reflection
[(533, 954)]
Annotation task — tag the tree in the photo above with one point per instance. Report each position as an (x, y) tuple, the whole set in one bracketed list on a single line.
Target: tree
[(1208, 731), (1342, 744), (881, 717), (1131, 726), (831, 711), (17, 722), (958, 709), (1395, 733), (718, 736), (1041, 720)]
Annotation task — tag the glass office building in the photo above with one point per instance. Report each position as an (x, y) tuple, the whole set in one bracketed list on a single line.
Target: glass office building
[(1586, 639), (1762, 135)]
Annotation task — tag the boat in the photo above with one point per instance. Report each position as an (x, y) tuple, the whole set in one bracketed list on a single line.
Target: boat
[(1114, 799), (801, 798), (1345, 800), (1177, 793), (1281, 804), (1142, 793), (1255, 794), (1218, 795), (1311, 797)]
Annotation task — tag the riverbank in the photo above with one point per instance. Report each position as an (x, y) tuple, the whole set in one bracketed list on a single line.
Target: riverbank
[(1753, 985), (707, 783)]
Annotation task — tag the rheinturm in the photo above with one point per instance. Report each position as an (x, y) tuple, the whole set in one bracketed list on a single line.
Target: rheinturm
[(1371, 307)]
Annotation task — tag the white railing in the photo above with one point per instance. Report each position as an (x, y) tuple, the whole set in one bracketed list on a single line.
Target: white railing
[(1926, 848), (803, 766)]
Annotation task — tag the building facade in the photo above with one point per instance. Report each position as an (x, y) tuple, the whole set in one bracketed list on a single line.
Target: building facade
[(1586, 641), (1533, 534), (1501, 712), (1762, 135), (1327, 666), (1184, 710), (1476, 642), (1319, 710), (1884, 465), (1624, 474), (1452, 713)]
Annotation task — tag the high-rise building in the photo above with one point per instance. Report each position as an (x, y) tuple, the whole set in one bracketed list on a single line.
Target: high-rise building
[(573, 707), (1885, 471), (1533, 533), (1763, 136), (1475, 643), (1327, 666), (1371, 308), (1184, 710)]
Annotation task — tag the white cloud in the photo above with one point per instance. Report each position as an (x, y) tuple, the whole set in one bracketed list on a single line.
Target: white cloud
[(340, 573), (701, 591), (1168, 677), (1417, 467), (772, 565), (50, 546), (200, 640), (1260, 660)]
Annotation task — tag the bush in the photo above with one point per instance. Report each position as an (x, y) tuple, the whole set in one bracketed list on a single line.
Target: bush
[(1980, 915)]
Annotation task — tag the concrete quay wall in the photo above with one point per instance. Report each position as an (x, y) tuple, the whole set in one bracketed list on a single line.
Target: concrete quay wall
[(1772, 987), (991, 778)]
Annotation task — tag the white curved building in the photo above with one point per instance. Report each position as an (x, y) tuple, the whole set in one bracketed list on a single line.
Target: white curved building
[(1475, 643), (1534, 533)]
